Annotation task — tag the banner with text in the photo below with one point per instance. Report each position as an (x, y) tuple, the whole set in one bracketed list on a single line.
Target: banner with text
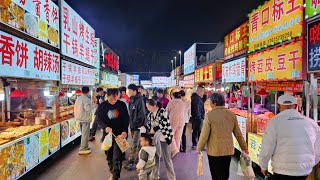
[(274, 22), (74, 74), (282, 63), (20, 58), (190, 58), (234, 71), (188, 81), (204, 74), (313, 46)]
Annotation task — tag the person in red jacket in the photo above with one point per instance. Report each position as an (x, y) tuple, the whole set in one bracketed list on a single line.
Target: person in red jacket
[(123, 93), (161, 99)]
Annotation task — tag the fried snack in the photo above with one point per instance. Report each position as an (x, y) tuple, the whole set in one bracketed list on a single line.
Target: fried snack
[(5, 3), (53, 138), (53, 36)]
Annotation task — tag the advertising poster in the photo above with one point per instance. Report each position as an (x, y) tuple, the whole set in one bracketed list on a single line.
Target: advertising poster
[(44, 145), (109, 79), (77, 36), (36, 18), (190, 59), (282, 63), (274, 22), (65, 133), (26, 60), (235, 43), (31, 151), (234, 71), (254, 143), (312, 8), (204, 74), (242, 122), (54, 138), (74, 74), (313, 46), (70, 130), (12, 163)]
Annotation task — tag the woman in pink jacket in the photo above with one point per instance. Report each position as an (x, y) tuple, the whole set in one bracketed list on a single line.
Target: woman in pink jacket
[(176, 111)]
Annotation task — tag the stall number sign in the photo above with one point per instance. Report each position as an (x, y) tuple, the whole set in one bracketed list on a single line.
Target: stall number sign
[(74, 74), (314, 46), (77, 36), (37, 18), (235, 43), (23, 59), (274, 22), (190, 59), (234, 71), (282, 63), (204, 74)]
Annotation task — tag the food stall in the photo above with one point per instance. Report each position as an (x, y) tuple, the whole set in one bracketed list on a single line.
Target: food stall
[(79, 60), (272, 67), (29, 132)]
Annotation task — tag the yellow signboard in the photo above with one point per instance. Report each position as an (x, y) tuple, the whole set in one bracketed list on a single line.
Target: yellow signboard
[(274, 22), (280, 63)]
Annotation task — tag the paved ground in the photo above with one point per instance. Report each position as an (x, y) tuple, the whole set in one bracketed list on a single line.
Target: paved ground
[(68, 165)]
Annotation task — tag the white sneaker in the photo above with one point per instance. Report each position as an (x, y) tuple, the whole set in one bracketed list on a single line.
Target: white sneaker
[(84, 152)]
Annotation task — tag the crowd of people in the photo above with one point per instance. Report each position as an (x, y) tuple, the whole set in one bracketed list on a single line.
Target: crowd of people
[(157, 127)]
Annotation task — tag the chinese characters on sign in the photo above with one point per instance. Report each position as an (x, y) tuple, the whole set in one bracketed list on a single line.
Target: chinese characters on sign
[(159, 80), (190, 59), (109, 78), (20, 58), (242, 122), (234, 71), (37, 18), (313, 46), (77, 36), (218, 70), (188, 81), (235, 43), (277, 64), (74, 74), (204, 74), (110, 61), (274, 22), (312, 8)]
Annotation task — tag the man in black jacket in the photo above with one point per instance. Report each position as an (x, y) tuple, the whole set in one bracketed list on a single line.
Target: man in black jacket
[(113, 117), (137, 119), (197, 113)]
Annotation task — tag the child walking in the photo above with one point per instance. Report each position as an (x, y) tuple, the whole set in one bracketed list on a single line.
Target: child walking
[(146, 157)]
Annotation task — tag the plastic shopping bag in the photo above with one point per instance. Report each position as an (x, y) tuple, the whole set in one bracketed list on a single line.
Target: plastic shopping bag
[(107, 142), (245, 164), (200, 162)]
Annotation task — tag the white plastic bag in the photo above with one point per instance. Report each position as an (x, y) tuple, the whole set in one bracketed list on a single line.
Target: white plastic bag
[(245, 164), (107, 142), (200, 164)]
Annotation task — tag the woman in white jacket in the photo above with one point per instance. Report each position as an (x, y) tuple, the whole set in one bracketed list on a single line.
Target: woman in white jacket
[(291, 141)]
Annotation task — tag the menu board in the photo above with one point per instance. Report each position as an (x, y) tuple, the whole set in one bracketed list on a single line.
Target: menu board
[(74, 74), (280, 63), (43, 144), (235, 43), (313, 46), (31, 151), (204, 74), (234, 71), (37, 18), (274, 22), (190, 58), (70, 130), (20, 58), (77, 36), (54, 138)]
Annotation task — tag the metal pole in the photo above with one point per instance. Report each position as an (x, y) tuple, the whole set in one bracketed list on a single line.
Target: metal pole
[(180, 58), (314, 92), (276, 103), (175, 62)]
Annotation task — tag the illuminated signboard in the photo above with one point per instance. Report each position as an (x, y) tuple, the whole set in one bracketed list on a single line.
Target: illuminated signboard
[(74, 74), (274, 22), (312, 8), (234, 71), (20, 58), (281, 63), (188, 81), (313, 49), (235, 43), (37, 18), (190, 59), (110, 59), (204, 74), (159, 80), (77, 36)]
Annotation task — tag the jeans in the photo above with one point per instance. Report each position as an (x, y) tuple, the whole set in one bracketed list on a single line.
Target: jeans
[(166, 155), (285, 177), (85, 129), (176, 141), (114, 158), (144, 174), (196, 130), (184, 138), (135, 146), (219, 167), (94, 126)]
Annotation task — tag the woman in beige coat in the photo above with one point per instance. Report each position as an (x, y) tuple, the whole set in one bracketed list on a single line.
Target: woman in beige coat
[(218, 126)]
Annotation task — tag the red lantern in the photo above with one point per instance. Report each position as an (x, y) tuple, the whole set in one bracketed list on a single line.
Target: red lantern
[(16, 94), (78, 92)]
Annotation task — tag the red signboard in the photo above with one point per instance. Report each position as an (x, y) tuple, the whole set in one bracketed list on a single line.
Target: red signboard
[(188, 81), (218, 70), (235, 43), (110, 61)]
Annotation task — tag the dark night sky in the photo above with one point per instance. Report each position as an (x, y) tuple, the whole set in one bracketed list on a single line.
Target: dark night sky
[(156, 27)]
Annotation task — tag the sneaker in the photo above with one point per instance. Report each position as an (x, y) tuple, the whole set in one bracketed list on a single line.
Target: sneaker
[(84, 152), (92, 138)]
